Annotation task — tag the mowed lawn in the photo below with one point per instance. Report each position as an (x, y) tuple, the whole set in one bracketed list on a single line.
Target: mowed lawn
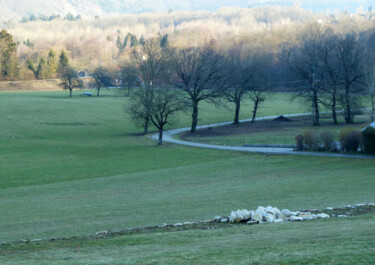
[(71, 167)]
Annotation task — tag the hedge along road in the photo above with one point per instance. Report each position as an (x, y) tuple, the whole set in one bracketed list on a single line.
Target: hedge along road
[(169, 137)]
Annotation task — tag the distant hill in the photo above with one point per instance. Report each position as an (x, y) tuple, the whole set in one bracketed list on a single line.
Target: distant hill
[(16, 9)]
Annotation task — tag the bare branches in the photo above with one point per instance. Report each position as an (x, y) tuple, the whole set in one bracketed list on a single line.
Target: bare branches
[(200, 75)]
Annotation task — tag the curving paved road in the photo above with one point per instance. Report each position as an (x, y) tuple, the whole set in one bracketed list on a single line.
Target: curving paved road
[(168, 137)]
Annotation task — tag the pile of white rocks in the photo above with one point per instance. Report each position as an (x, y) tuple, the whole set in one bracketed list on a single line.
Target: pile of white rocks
[(268, 214)]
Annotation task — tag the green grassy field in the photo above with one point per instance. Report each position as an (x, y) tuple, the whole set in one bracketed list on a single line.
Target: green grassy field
[(71, 167)]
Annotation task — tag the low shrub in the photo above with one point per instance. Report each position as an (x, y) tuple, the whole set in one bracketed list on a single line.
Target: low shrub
[(299, 143), (368, 136), (311, 140), (350, 141), (328, 141)]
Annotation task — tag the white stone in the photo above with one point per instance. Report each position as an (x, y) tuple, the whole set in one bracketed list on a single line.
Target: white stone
[(270, 210), (314, 217), (262, 211), (341, 216), (178, 224), (104, 232), (322, 216), (252, 213), (295, 218), (329, 208), (270, 218), (258, 217), (294, 213), (224, 220), (284, 217), (286, 212), (279, 221), (236, 217), (307, 217), (246, 214), (217, 218), (371, 204)]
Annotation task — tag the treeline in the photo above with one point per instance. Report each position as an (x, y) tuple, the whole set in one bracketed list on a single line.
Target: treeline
[(41, 17), (335, 70)]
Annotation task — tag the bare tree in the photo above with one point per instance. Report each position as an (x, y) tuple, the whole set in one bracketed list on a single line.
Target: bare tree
[(165, 105), (331, 71), (129, 77), (69, 79), (304, 61), (243, 69), (100, 78), (369, 71), (257, 96), (349, 52), (151, 62), (200, 74)]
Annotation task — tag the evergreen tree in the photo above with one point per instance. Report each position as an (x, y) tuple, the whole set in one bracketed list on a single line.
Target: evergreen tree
[(51, 64), (142, 40), (63, 63), (8, 59), (164, 41), (133, 41), (42, 71), (119, 43)]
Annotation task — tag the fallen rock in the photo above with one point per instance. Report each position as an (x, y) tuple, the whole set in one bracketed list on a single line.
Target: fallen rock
[(295, 218), (179, 224), (342, 216), (224, 220), (101, 233), (329, 208), (270, 218), (258, 218), (279, 221), (322, 216), (286, 212), (217, 218), (252, 222)]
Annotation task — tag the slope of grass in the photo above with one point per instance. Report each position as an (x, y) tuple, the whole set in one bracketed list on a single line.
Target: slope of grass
[(76, 166), (333, 241)]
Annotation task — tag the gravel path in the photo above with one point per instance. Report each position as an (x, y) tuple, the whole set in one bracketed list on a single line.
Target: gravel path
[(169, 137)]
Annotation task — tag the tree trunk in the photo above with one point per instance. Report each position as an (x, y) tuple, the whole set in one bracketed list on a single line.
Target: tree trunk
[(316, 110), (70, 93), (348, 116), (373, 108), (334, 114), (160, 142), (237, 113), (255, 111), (145, 126), (194, 117), (98, 92)]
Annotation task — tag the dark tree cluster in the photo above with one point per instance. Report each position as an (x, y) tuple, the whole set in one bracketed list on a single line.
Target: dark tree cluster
[(335, 69), (9, 68)]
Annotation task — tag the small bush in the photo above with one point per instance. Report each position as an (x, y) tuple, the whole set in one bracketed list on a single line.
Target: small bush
[(311, 140), (350, 141), (328, 141), (299, 143), (369, 140)]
